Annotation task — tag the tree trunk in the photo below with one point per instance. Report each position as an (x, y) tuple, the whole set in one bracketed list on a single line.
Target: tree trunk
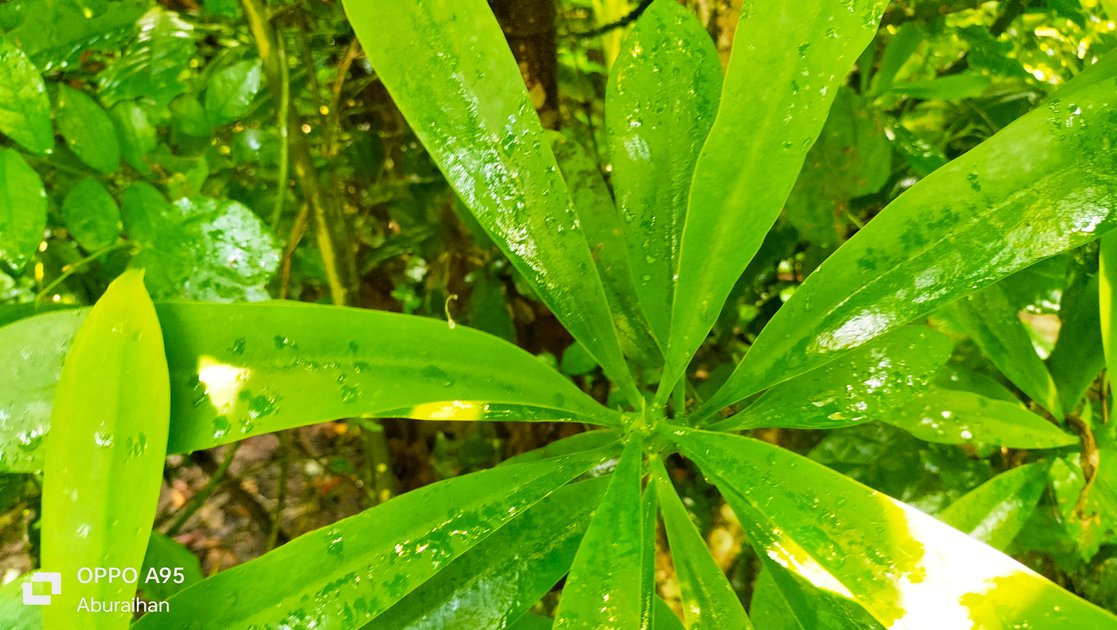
[(529, 26)]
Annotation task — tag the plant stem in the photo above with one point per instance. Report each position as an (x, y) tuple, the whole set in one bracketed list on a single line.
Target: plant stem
[(338, 262), (198, 499), (73, 267), (281, 494)]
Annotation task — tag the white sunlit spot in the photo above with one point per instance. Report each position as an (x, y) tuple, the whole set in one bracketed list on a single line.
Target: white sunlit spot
[(790, 555), (945, 578), (854, 332), (222, 381)]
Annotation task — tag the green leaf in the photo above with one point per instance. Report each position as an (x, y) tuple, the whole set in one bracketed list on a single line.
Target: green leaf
[(13, 612), (861, 386), (664, 618), (773, 108), (55, 33), (24, 105), (23, 209), (1107, 296), (649, 507), (1079, 355), (231, 91), (605, 234), (708, 598), (91, 215), (1087, 514), (851, 158), (479, 126), (958, 417), (503, 576), (660, 103), (137, 134), (996, 511), (576, 443), (785, 601), (189, 117), (239, 370), (155, 65), (88, 130), (901, 47), (1045, 184), (199, 248), (604, 585), (949, 88), (992, 321), (901, 565), (346, 574), (41, 342), (163, 556), (104, 464)]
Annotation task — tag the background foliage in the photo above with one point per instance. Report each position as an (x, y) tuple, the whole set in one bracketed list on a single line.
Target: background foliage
[(247, 151)]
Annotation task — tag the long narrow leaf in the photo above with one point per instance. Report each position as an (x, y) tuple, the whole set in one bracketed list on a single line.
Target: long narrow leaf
[(773, 107), (104, 464), (346, 574), (499, 579), (991, 320), (605, 234), (479, 126), (246, 369), (903, 566), (995, 511), (864, 385), (708, 598), (661, 101), (1045, 184), (958, 417), (604, 585)]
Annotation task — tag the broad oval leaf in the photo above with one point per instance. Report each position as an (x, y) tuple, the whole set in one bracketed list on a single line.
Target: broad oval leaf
[(137, 134), (903, 566), (773, 108), (155, 65), (987, 214), (958, 417), (604, 585), (709, 601), (199, 248), (91, 214), (995, 511), (105, 461), (24, 105), (239, 370), (478, 124), (661, 101), (88, 130), (863, 385), (56, 34), (23, 209), (346, 574), (497, 581), (231, 90)]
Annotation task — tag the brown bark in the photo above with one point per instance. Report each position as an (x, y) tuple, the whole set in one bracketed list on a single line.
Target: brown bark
[(529, 27)]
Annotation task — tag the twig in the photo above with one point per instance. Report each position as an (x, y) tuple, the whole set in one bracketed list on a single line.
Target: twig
[(337, 261), (631, 17), (198, 499), (73, 267), (281, 494), (1089, 459)]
